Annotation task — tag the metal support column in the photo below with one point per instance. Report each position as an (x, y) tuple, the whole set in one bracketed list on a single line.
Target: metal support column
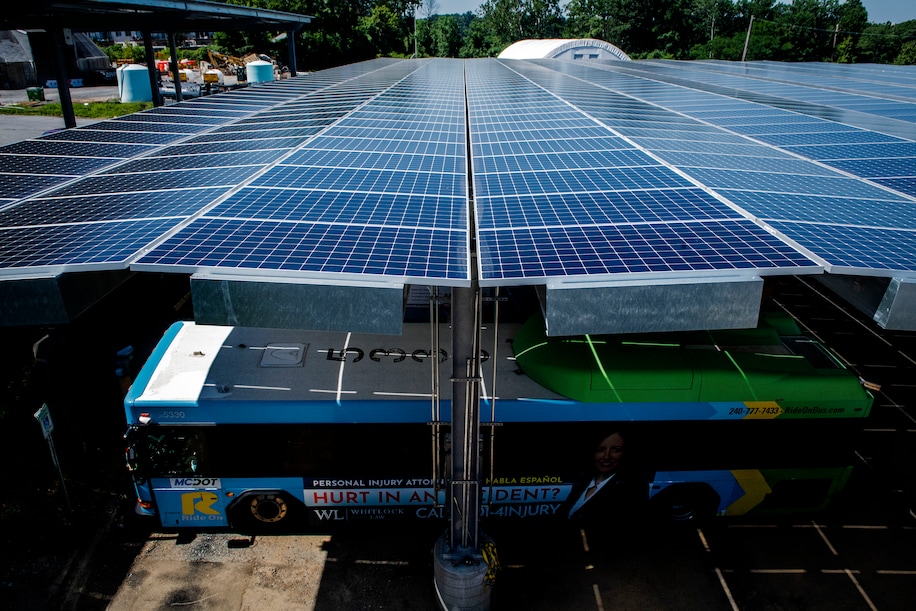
[(59, 44), (465, 468), (460, 568), (150, 58), (291, 51), (173, 64)]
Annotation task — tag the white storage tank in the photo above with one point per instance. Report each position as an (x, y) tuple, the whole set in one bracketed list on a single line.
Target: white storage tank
[(214, 76), (259, 71), (133, 84)]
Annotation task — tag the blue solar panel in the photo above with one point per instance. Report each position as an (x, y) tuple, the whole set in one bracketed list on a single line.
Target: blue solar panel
[(833, 137), (94, 135), (840, 210), (361, 250), (800, 125), (375, 181), (150, 181), (60, 210), (837, 184), (559, 161), (76, 149), (825, 152), (551, 145), (190, 147), (82, 244), (373, 161), (805, 90), (402, 210), (578, 181), (122, 126), (47, 164), (75, 225), (904, 185), (880, 249), (15, 186), (779, 165), (533, 253), (178, 161), (878, 168), (583, 209)]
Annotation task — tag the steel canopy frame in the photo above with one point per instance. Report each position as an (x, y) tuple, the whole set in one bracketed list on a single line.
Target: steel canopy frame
[(169, 16)]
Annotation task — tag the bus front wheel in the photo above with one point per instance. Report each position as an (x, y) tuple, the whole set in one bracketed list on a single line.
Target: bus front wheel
[(268, 508), (263, 510)]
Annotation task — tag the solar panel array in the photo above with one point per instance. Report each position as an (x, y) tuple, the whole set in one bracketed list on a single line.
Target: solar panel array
[(559, 195), (801, 175), (382, 193), (644, 171), (123, 183)]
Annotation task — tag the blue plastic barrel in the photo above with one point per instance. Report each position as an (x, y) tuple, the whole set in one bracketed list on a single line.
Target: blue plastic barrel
[(259, 71), (133, 84)]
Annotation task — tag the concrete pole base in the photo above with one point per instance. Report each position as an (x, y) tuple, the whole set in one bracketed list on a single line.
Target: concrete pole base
[(460, 587)]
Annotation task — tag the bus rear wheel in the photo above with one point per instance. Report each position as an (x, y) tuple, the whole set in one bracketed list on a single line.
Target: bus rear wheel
[(686, 503)]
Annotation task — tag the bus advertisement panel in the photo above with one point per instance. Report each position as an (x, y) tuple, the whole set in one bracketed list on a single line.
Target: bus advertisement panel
[(260, 428)]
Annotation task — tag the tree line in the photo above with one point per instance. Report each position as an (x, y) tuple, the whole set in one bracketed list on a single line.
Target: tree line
[(346, 31)]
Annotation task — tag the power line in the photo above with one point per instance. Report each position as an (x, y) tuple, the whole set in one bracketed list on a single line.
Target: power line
[(804, 27)]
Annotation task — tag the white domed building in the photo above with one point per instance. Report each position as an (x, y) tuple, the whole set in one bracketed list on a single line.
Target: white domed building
[(572, 49)]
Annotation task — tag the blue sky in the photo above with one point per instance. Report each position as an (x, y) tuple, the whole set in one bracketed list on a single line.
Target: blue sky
[(879, 11)]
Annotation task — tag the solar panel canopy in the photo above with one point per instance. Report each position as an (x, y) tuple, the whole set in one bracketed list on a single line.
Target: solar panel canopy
[(635, 195)]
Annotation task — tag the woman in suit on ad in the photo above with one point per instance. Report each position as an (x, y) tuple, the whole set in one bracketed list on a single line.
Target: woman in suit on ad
[(614, 499)]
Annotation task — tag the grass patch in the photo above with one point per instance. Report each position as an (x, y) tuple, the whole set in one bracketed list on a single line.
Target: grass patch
[(86, 110)]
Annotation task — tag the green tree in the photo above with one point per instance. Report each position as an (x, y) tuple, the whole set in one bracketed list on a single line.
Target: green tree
[(383, 30), (446, 36), (514, 20), (333, 37), (544, 18), (480, 40), (853, 20), (135, 53), (601, 19), (810, 28), (708, 10), (505, 19), (907, 55), (424, 38), (882, 43)]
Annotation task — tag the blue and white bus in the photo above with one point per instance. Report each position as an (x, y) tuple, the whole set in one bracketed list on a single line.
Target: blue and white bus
[(276, 429)]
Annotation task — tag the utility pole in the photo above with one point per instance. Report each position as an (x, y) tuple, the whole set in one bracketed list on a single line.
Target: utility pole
[(415, 6), (748, 38)]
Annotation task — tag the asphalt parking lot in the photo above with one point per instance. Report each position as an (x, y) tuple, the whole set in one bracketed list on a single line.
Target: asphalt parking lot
[(15, 128)]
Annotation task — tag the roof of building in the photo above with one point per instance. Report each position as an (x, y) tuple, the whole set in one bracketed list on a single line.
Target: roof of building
[(145, 15)]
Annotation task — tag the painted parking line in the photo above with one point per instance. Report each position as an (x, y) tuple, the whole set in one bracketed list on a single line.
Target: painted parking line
[(722, 582), (820, 531), (598, 604), (728, 593)]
